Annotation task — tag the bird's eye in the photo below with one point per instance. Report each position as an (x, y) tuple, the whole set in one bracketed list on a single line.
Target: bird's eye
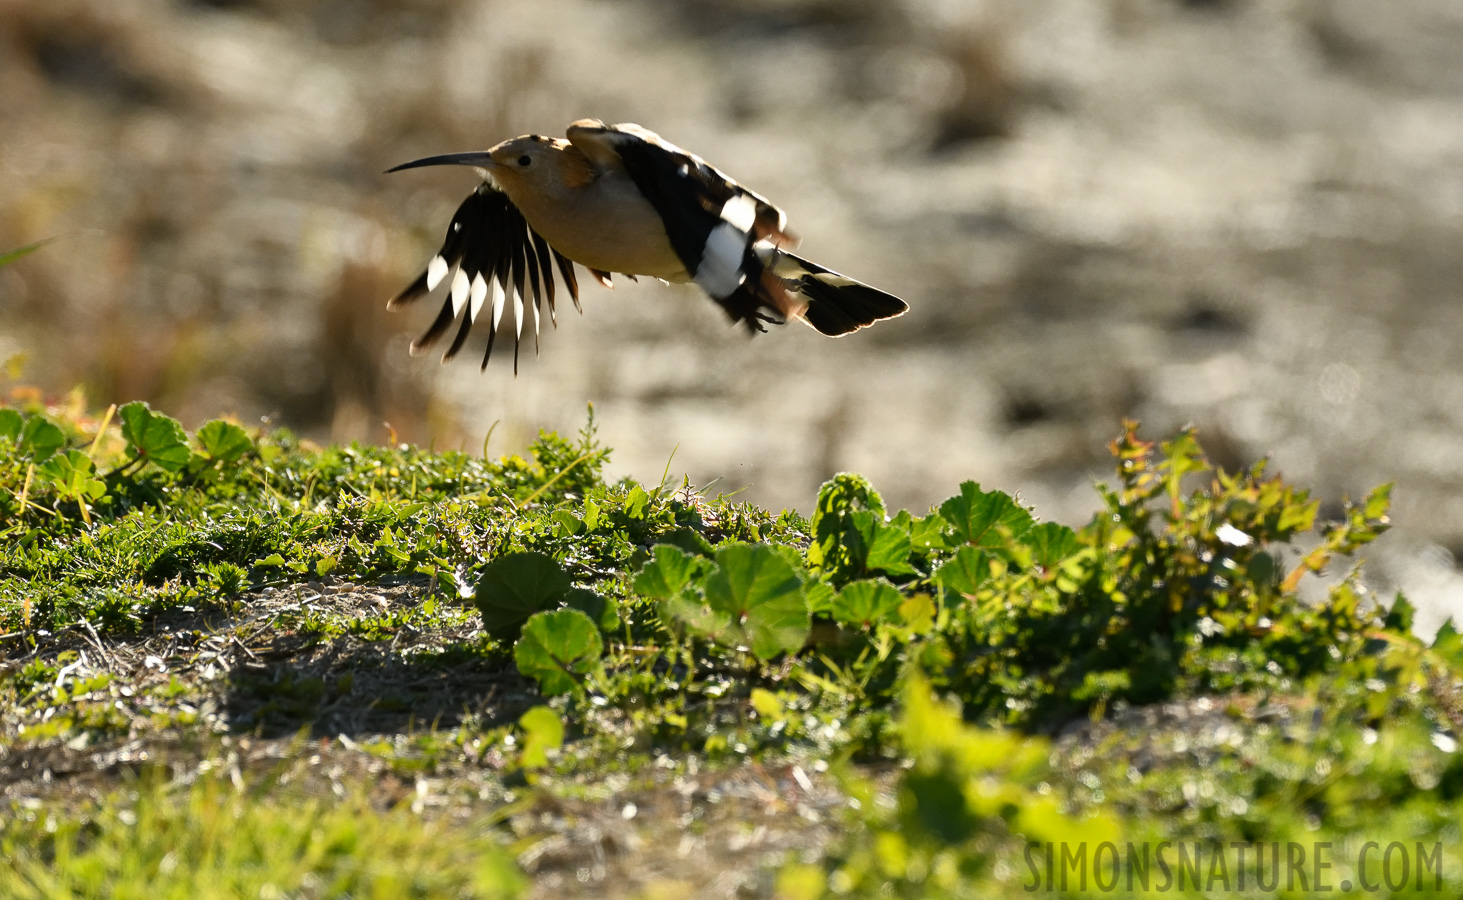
[(524, 160)]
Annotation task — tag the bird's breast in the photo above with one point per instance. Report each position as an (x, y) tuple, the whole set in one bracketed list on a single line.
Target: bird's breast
[(606, 225)]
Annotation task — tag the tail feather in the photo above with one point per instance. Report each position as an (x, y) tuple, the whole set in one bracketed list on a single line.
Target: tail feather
[(838, 309), (837, 304), (779, 286)]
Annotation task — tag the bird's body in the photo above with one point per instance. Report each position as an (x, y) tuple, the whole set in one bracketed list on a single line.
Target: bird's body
[(606, 224), (620, 199)]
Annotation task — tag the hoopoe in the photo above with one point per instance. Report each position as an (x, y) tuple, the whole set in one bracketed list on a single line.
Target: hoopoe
[(618, 198)]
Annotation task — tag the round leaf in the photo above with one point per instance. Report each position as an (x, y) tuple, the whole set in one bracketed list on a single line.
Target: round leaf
[(155, 437), (70, 473), (688, 540), (557, 649), (516, 586), (1051, 543), (604, 611), (543, 731), (761, 592), (669, 570), (224, 441), (979, 517), (40, 438), (966, 571), (10, 424), (867, 603)]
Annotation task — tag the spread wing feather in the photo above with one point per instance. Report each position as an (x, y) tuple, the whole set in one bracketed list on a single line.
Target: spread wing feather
[(542, 246), (490, 245), (566, 268)]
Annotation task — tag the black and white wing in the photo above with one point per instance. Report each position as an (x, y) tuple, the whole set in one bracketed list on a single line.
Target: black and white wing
[(712, 221), (489, 257)]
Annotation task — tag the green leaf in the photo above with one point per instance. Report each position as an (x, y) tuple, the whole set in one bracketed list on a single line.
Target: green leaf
[(687, 539), (604, 611), (843, 503), (668, 572), (1051, 543), (10, 424), (70, 473), (543, 731), (889, 550), (569, 524), (1262, 571), (793, 557), (918, 613), (10, 256), (690, 612), (818, 595), (979, 517), (1297, 517), (762, 594), (965, 572), (1448, 644), (40, 438), (1378, 502), (516, 586), (1103, 685), (1181, 456), (927, 533), (847, 492), (405, 511), (852, 542), (223, 441), (635, 502), (154, 437), (768, 706), (558, 649), (864, 604), (932, 796), (1400, 615)]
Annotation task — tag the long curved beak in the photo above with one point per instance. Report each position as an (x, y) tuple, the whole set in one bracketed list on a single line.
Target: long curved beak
[(479, 158)]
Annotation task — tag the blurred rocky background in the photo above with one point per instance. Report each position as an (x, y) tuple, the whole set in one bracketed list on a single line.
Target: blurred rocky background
[(1243, 214)]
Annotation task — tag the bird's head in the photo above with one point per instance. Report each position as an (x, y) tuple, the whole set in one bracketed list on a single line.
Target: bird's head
[(530, 164)]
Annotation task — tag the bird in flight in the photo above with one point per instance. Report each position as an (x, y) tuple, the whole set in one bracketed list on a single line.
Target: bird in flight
[(620, 199)]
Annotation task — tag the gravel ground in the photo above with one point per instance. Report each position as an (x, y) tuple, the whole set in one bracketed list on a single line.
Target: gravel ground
[(256, 696)]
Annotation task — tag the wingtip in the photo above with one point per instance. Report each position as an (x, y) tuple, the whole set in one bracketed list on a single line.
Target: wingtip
[(411, 293)]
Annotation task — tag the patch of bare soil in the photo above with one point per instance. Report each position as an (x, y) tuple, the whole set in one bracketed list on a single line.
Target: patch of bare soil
[(272, 692)]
